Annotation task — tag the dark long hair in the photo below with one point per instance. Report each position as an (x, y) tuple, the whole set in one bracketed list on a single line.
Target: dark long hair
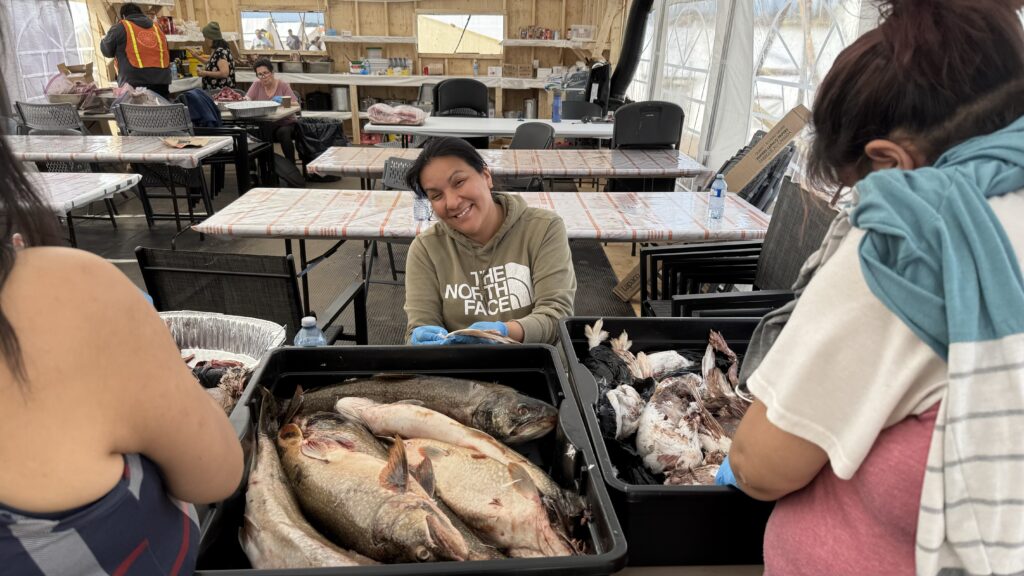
[(910, 75), (22, 211), (439, 148)]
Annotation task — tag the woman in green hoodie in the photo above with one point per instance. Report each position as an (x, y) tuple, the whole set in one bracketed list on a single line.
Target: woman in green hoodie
[(490, 263)]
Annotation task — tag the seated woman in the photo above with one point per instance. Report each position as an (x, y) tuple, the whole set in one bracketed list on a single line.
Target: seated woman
[(889, 407), (219, 71), (106, 436), (490, 263), (268, 87)]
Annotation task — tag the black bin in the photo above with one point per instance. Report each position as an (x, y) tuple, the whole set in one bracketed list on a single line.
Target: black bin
[(534, 370), (670, 525)]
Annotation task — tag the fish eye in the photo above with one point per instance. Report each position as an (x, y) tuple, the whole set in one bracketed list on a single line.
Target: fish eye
[(523, 410), (422, 554)]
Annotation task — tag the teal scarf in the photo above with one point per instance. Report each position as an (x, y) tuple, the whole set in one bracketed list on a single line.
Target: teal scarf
[(934, 252)]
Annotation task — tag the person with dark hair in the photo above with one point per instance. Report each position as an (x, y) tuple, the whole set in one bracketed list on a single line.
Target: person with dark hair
[(220, 64), (293, 42), (106, 435), (143, 58), (269, 87), (490, 263), (889, 397)]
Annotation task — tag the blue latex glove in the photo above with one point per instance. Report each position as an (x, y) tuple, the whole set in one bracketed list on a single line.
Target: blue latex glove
[(276, 99), (428, 335), (498, 327), (725, 477)]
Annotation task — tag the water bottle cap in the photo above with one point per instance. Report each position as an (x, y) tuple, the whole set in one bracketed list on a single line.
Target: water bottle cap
[(720, 177), (309, 322)]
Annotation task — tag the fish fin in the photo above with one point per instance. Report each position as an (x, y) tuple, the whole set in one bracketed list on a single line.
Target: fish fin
[(351, 406), (594, 334), (424, 474), (411, 401), (522, 482), (433, 452), (315, 448), (295, 405), (268, 413), (395, 474), (289, 431)]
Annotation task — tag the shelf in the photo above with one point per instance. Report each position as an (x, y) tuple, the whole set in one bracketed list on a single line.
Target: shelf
[(513, 42), (369, 39), (169, 3), (198, 38)]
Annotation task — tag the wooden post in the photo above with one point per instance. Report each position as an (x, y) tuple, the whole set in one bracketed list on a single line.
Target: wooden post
[(353, 104)]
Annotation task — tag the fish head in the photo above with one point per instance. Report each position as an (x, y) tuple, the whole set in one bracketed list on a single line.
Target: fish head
[(418, 531), (514, 418)]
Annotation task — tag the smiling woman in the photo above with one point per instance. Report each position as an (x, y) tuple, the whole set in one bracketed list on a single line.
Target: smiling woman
[(490, 263)]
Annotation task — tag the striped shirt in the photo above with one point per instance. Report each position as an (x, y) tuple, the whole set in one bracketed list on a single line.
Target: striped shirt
[(136, 528)]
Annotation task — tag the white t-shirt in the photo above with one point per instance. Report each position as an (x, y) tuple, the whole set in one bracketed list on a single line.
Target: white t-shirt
[(845, 367)]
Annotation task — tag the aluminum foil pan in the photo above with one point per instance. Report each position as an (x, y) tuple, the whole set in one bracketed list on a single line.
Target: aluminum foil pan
[(251, 108), (209, 335)]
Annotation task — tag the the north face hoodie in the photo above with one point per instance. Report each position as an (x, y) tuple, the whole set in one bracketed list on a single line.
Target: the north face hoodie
[(524, 273)]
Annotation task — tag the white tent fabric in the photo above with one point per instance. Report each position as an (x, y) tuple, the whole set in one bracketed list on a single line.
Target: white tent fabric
[(38, 35), (727, 113)]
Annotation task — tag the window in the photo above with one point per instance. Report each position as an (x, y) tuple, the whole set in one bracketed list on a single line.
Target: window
[(283, 30), (459, 33), (795, 43), (689, 40)]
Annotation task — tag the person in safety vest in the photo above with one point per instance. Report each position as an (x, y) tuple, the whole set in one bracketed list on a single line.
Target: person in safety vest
[(143, 59)]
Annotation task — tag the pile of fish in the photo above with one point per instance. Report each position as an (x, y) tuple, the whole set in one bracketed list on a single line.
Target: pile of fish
[(225, 380), (403, 469), (680, 410)]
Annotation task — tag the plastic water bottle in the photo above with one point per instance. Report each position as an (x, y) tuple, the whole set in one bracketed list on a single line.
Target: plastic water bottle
[(716, 197), (310, 335), (556, 107), (174, 71), (476, 68)]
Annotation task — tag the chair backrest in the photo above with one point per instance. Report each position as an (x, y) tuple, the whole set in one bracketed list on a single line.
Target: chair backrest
[(49, 117), (395, 169), (460, 97), (241, 284), (139, 120), (652, 124), (576, 109), (426, 93), (764, 188), (797, 228), (59, 166), (533, 136)]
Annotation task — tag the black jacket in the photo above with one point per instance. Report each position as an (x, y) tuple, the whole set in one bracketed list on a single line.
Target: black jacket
[(115, 43)]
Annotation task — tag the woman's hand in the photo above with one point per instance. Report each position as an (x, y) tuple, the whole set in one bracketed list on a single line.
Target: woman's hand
[(428, 335), (498, 327)]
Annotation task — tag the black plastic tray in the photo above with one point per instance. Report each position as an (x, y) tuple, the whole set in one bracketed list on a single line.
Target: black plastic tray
[(532, 369), (670, 525)]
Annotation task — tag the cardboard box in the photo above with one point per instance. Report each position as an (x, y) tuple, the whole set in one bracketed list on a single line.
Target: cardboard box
[(543, 73), (77, 73), (510, 70), (768, 148), (494, 71)]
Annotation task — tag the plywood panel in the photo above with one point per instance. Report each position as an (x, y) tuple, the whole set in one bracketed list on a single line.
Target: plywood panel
[(401, 18), (467, 6), (371, 19)]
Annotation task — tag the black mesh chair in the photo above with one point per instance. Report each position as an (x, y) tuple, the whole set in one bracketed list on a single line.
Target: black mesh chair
[(257, 286), (530, 136), (652, 125), (464, 98), (673, 278), (395, 169)]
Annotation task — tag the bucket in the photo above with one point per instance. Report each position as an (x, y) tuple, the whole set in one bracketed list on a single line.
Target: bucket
[(339, 94)]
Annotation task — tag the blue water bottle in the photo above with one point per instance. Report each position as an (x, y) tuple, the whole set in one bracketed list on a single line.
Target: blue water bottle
[(310, 335), (716, 197), (556, 107), (476, 68)]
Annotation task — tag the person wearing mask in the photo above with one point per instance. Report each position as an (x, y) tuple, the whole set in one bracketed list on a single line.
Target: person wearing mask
[(107, 438), (269, 87), (219, 67), (888, 412), (143, 58), (490, 263), (293, 41)]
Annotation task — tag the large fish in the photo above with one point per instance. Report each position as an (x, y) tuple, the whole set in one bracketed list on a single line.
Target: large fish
[(498, 500), (411, 420), (365, 503), (334, 425), (275, 534), (497, 410)]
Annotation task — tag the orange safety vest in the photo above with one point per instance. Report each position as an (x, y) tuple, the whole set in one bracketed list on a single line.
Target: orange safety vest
[(146, 47)]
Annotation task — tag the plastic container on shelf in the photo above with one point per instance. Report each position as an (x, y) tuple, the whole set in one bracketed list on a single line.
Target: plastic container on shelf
[(709, 524), (534, 370)]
